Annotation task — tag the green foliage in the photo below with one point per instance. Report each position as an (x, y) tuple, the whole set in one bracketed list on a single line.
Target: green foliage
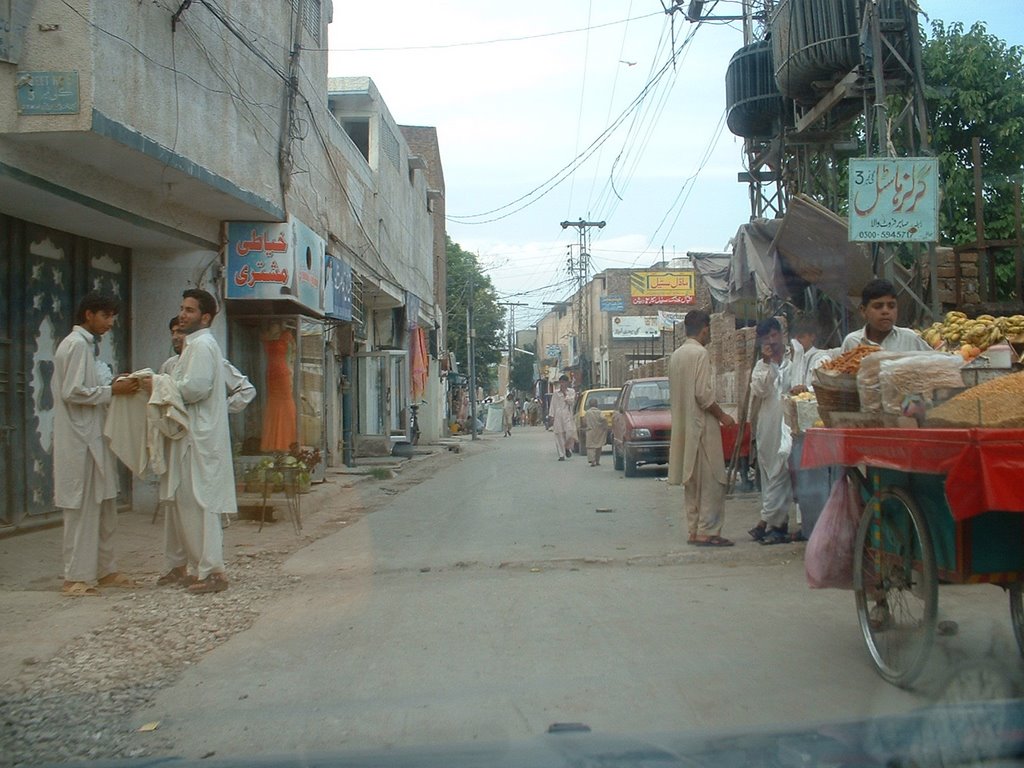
[(489, 318), (522, 370), (974, 87)]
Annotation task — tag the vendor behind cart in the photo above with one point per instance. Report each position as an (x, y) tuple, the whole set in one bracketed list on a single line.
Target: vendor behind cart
[(878, 307)]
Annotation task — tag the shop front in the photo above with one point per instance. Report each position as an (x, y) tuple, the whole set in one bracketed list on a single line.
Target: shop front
[(275, 311)]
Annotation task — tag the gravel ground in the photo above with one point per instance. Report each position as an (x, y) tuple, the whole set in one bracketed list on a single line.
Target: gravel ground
[(79, 704)]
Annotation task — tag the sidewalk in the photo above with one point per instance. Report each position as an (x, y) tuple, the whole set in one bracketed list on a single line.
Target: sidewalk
[(39, 621)]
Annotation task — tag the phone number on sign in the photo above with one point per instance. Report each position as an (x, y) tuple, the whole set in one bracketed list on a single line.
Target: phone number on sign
[(886, 235)]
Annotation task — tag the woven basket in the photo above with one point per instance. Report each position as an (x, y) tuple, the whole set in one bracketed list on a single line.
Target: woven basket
[(837, 393)]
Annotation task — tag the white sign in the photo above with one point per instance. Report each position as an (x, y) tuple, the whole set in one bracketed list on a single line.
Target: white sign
[(635, 327), (552, 350), (894, 199)]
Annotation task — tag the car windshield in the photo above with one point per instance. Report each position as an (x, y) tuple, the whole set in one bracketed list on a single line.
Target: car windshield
[(301, 307), (648, 395)]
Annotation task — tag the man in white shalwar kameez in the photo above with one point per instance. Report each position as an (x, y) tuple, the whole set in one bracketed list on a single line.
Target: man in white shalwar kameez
[(563, 400), (84, 468), (769, 382), (696, 459), (200, 477), (240, 392)]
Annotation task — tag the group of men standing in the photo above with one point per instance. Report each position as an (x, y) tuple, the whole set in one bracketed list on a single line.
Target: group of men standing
[(194, 388), (696, 459)]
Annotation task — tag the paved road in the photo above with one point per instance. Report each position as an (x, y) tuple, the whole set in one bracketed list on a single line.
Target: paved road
[(493, 600)]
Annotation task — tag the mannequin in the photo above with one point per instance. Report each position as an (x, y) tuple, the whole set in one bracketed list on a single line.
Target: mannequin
[(279, 415)]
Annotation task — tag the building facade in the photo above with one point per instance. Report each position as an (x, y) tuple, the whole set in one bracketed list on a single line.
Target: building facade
[(145, 150)]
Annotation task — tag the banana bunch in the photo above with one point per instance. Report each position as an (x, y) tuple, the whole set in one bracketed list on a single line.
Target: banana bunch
[(959, 330), (1012, 327)]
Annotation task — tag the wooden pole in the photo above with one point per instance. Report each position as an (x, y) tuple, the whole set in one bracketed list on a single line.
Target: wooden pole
[(1018, 281), (979, 223)]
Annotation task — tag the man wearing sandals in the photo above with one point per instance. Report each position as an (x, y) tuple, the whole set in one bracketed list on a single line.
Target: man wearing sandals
[(200, 476), (84, 468), (696, 460)]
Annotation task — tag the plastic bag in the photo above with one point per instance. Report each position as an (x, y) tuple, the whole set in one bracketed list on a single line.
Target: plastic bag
[(828, 560)]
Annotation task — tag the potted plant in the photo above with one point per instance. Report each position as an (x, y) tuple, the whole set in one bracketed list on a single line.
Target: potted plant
[(301, 463)]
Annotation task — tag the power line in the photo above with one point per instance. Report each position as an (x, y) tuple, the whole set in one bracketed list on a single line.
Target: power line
[(518, 39)]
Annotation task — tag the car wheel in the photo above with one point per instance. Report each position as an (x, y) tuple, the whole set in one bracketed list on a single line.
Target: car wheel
[(616, 458), (628, 463)]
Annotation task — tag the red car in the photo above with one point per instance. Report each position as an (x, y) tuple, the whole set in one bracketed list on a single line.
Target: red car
[(641, 424)]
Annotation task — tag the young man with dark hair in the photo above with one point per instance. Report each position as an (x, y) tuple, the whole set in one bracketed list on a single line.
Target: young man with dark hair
[(200, 476), (84, 467), (879, 309), (696, 460)]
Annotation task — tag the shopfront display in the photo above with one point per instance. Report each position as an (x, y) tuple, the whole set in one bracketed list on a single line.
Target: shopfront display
[(283, 356)]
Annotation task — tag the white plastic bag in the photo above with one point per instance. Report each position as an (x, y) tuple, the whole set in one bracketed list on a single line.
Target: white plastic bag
[(828, 560)]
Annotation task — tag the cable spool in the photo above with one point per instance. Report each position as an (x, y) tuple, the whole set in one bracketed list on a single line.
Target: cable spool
[(753, 102)]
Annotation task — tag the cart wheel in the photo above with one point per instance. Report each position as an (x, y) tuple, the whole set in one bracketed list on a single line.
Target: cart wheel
[(1016, 591), (896, 585)]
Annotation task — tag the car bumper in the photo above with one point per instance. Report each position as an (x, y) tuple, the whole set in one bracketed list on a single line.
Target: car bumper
[(647, 453)]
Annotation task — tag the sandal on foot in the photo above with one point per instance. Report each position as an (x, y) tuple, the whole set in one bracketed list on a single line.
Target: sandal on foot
[(173, 577), (78, 589), (713, 541), (775, 536), (119, 580), (215, 582), (757, 532)]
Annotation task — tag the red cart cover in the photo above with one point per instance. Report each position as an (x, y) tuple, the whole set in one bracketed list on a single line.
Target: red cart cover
[(984, 468)]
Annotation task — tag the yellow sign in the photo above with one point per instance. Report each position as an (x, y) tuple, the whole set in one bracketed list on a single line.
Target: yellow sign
[(646, 288)]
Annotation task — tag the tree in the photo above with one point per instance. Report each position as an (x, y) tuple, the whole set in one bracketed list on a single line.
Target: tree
[(974, 87), (522, 369), (488, 317)]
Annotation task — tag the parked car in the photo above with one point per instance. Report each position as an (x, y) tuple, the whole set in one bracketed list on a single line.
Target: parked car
[(641, 424), (606, 399)]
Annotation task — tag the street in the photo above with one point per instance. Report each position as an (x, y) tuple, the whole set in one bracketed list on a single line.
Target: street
[(493, 599)]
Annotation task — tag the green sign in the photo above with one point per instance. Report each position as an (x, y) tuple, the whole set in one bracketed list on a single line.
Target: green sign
[(47, 93)]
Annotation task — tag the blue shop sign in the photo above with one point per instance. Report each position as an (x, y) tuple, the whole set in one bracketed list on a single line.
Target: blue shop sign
[(613, 303), (338, 289)]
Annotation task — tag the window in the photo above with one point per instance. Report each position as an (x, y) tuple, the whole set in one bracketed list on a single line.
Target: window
[(359, 131), (308, 12)]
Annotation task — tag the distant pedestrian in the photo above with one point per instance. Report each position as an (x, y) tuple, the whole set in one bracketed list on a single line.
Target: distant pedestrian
[(508, 412), (696, 459), (84, 467), (563, 401), (597, 431)]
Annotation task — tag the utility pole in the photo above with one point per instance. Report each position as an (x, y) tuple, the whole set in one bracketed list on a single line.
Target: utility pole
[(511, 332), (583, 304), (471, 344)]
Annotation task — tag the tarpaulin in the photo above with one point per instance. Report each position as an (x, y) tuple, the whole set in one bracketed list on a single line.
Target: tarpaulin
[(983, 467)]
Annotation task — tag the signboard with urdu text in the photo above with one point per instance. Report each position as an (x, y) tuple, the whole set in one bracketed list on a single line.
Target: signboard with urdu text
[(894, 199), (652, 288), (275, 260), (635, 327), (613, 303)]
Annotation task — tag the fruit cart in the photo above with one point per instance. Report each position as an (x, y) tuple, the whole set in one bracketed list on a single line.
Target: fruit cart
[(941, 505)]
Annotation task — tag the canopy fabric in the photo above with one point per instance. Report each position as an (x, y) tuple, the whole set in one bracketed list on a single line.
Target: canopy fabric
[(752, 271), (713, 269)]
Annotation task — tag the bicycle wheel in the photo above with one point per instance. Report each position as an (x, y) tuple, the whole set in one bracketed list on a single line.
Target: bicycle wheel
[(1016, 591), (896, 585)]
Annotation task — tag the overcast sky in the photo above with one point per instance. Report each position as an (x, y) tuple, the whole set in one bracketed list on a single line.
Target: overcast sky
[(518, 90)]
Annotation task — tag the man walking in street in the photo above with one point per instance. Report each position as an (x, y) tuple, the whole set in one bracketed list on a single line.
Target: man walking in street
[(563, 400), (200, 477), (84, 468), (696, 460)]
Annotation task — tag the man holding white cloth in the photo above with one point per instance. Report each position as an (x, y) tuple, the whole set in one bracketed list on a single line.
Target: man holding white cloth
[(200, 477)]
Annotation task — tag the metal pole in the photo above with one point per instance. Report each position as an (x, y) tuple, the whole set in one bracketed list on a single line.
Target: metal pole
[(471, 343)]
